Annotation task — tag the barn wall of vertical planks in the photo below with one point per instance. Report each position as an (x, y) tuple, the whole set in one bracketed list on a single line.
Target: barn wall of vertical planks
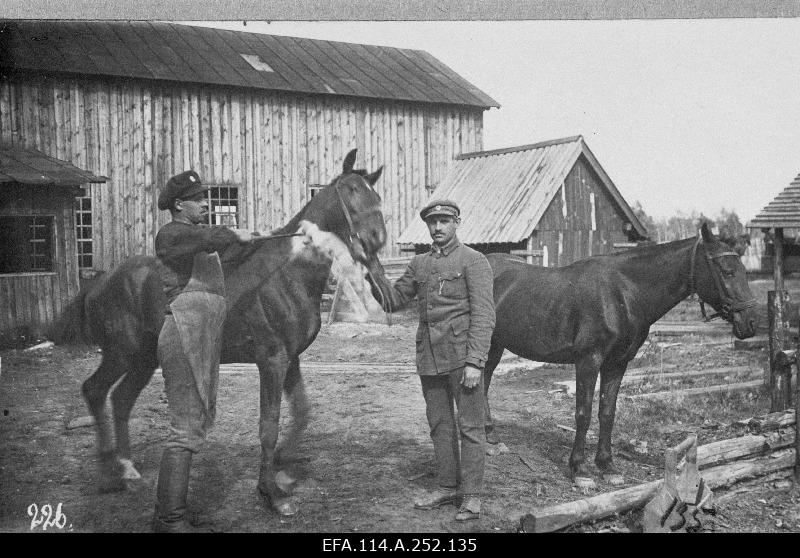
[(270, 145)]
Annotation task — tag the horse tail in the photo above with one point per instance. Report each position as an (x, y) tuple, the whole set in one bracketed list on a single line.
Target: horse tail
[(71, 326)]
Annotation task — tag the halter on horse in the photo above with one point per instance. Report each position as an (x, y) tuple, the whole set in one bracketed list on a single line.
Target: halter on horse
[(728, 305)]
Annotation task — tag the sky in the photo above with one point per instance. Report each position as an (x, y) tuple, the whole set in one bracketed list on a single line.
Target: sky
[(683, 115)]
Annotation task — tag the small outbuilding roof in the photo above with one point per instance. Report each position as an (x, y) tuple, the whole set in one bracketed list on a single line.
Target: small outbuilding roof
[(184, 53), (781, 213), (29, 166), (504, 193)]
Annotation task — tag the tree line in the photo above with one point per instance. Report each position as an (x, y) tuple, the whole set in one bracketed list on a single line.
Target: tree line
[(728, 226)]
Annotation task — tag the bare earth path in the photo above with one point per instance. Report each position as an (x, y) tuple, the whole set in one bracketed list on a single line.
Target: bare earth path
[(367, 453)]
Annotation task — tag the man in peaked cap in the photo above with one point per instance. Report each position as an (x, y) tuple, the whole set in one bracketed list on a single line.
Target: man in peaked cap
[(190, 339), (183, 186), (453, 284)]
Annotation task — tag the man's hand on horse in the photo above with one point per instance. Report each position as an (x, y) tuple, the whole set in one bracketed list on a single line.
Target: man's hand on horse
[(471, 377)]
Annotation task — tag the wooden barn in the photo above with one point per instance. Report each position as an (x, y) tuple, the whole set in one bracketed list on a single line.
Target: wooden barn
[(39, 238), (551, 202), (263, 119)]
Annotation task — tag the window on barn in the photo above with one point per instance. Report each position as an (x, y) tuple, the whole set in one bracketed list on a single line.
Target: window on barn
[(223, 205), (83, 230), (314, 189), (27, 244)]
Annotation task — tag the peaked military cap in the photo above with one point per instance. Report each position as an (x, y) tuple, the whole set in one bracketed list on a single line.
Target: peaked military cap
[(440, 207), (181, 186)]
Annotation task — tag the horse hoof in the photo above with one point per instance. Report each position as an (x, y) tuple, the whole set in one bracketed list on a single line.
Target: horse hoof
[(584, 483), (614, 479), (285, 507), (129, 472), (285, 482)]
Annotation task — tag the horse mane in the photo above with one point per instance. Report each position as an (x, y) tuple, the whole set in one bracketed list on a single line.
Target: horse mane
[(294, 223), (650, 250)]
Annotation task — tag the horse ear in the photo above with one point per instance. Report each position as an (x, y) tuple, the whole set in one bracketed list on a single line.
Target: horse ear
[(708, 236), (373, 178), (349, 161)]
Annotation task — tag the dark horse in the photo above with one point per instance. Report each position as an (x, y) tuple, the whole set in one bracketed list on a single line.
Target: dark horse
[(597, 312), (273, 300)]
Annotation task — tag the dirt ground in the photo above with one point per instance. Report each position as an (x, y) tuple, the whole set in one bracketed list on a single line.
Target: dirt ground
[(367, 449)]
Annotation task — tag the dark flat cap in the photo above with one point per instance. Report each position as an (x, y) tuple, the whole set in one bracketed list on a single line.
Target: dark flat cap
[(181, 186), (440, 207)]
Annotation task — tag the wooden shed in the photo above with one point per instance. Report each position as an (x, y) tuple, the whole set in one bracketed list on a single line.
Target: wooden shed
[(779, 221), (38, 238), (261, 118), (551, 202), (782, 213)]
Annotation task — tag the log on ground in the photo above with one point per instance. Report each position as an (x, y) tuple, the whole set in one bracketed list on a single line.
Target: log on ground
[(554, 518), (772, 421), (698, 391), (744, 446)]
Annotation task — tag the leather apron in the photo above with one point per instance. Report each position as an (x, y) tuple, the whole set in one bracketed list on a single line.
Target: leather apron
[(199, 312)]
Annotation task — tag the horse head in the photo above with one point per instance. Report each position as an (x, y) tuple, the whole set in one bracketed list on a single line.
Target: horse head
[(719, 279), (350, 208)]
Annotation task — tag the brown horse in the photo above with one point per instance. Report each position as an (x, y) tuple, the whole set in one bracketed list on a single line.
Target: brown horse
[(273, 301), (597, 312)]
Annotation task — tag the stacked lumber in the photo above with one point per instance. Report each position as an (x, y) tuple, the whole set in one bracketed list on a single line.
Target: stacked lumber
[(768, 448)]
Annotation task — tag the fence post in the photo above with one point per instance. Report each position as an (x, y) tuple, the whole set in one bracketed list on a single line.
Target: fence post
[(797, 416), (779, 374)]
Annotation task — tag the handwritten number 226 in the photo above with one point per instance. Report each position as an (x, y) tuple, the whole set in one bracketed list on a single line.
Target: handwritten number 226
[(46, 518)]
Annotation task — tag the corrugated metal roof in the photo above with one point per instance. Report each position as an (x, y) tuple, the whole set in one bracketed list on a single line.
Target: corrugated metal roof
[(167, 51), (28, 166), (504, 193), (782, 212)]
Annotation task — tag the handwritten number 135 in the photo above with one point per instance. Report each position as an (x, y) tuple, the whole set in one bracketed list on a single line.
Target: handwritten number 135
[(46, 518)]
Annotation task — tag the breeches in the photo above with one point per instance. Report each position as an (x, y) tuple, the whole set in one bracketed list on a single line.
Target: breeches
[(464, 467), (189, 418)]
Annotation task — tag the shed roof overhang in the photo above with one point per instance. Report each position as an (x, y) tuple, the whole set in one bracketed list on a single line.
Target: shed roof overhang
[(22, 165), (781, 213)]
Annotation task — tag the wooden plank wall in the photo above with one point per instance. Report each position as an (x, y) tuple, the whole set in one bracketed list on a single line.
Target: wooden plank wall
[(36, 299), (271, 144), (571, 237)]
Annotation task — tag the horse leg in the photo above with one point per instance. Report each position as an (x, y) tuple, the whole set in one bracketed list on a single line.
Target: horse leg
[(95, 390), (610, 380), (586, 370), (295, 390), (495, 353), (272, 371), (122, 400)]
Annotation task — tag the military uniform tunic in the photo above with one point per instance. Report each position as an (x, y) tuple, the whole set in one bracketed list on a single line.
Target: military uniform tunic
[(456, 310), (176, 245)]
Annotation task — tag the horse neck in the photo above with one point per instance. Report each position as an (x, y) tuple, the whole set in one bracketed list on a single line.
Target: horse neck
[(662, 273), (309, 269), (315, 211)]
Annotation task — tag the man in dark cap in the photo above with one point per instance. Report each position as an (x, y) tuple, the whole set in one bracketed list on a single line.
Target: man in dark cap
[(190, 339), (453, 284)]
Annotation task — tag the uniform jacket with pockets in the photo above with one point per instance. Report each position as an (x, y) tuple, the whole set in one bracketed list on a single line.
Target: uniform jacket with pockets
[(456, 309)]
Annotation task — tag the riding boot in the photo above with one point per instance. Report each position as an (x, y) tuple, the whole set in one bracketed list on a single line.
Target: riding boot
[(173, 486)]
